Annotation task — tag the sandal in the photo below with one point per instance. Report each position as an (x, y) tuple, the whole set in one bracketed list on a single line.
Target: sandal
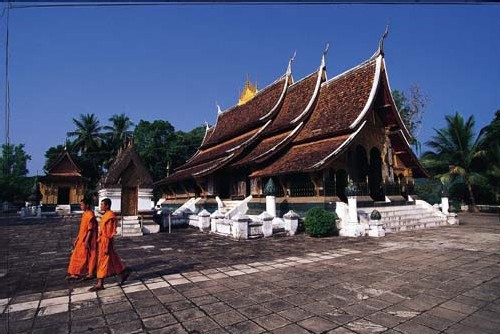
[(71, 277), (96, 288), (88, 278), (125, 274)]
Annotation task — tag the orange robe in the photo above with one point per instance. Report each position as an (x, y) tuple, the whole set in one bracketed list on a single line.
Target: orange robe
[(108, 263), (83, 259)]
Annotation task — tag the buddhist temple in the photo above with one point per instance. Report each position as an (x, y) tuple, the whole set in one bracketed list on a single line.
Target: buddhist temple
[(63, 184), (310, 137)]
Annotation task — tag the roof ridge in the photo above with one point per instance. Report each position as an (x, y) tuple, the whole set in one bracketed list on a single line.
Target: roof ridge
[(348, 71)]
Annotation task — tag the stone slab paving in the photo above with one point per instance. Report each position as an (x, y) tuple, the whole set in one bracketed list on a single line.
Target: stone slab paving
[(442, 280)]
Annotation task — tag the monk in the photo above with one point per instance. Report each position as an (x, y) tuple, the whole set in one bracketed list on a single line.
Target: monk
[(83, 260), (108, 262)]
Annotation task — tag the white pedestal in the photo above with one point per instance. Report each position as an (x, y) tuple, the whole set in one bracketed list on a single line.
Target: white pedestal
[(271, 205), (291, 219), (445, 205), (376, 229)]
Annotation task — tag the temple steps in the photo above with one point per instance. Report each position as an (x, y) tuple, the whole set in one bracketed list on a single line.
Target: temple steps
[(410, 217), (129, 226), (228, 206)]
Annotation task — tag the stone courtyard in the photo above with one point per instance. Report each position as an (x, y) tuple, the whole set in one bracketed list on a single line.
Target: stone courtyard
[(441, 280)]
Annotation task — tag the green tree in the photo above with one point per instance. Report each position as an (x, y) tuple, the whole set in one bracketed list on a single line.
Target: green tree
[(457, 154), (156, 144), (411, 107), (189, 142), (88, 143), (490, 142), (118, 132), (88, 136), (14, 185)]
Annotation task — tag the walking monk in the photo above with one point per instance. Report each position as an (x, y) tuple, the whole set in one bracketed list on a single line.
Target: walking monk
[(84, 256), (108, 262)]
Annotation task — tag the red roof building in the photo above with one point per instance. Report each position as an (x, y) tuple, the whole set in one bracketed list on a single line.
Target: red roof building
[(310, 136)]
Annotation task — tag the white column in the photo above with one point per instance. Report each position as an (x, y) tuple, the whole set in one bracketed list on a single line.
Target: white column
[(271, 205), (445, 205), (353, 209)]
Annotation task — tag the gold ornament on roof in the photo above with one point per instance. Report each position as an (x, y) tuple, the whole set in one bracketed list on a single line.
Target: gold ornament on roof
[(248, 92)]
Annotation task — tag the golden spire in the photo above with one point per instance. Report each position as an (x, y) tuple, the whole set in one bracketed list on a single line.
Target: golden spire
[(248, 93)]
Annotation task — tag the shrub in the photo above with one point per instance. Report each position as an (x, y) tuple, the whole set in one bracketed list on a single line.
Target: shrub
[(320, 223)]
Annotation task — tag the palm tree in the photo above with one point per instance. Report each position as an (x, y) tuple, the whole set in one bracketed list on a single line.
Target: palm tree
[(456, 154), (118, 132), (88, 133), (491, 143)]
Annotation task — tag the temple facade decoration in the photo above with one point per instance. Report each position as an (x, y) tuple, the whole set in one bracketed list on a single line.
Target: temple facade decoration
[(310, 137), (63, 184), (127, 183)]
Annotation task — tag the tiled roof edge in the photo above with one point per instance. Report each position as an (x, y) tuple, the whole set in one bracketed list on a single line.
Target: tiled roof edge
[(373, 91), (341, 147)]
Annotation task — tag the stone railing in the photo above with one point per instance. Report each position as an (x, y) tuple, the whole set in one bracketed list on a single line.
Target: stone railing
[(239, 209)]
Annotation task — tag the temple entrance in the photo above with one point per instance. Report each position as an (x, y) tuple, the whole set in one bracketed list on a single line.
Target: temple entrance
[(340, 184), (375, 175), (63, 195), (129, 201)]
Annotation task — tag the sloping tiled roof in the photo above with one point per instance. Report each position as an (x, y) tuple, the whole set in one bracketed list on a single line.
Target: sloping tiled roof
[(246, 116), (340, 102), (301, 158), (124, 159), (297, 97), (193, 170), (64, 165), (219, 150), (264, 146)]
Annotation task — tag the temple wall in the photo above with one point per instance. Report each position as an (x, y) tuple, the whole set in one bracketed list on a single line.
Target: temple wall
[(144, 200), (49, 192)]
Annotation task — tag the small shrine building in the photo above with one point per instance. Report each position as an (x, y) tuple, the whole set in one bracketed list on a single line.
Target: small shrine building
[(63, 184), (127, 183)]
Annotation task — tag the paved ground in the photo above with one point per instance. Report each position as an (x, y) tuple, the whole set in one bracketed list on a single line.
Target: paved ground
[(439, 280)]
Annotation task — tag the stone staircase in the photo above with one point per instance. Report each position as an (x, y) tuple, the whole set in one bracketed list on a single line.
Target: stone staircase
[(410, 217), (228, 206), (129, 226)]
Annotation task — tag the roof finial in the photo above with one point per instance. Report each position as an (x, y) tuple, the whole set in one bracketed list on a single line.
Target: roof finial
[(381, 42), (324, 54), (206, 126), (218, 108), (289, 69)]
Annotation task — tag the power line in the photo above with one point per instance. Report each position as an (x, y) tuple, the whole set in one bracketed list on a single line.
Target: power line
[(7, 92)]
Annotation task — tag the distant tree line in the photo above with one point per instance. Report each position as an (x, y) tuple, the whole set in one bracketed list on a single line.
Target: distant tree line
[(94, 146)]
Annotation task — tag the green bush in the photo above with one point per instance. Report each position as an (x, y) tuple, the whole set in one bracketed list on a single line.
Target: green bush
[(320, 223)]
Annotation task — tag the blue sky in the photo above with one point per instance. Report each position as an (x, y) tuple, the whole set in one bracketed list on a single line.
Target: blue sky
[(176, 62)]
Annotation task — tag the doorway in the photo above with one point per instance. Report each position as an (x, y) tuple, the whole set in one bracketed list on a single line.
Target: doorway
[(129, 201)]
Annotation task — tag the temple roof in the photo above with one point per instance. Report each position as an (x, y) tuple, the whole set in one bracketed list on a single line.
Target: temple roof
[(243, 117), (314, 122), (62, 168), (127, 159)]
